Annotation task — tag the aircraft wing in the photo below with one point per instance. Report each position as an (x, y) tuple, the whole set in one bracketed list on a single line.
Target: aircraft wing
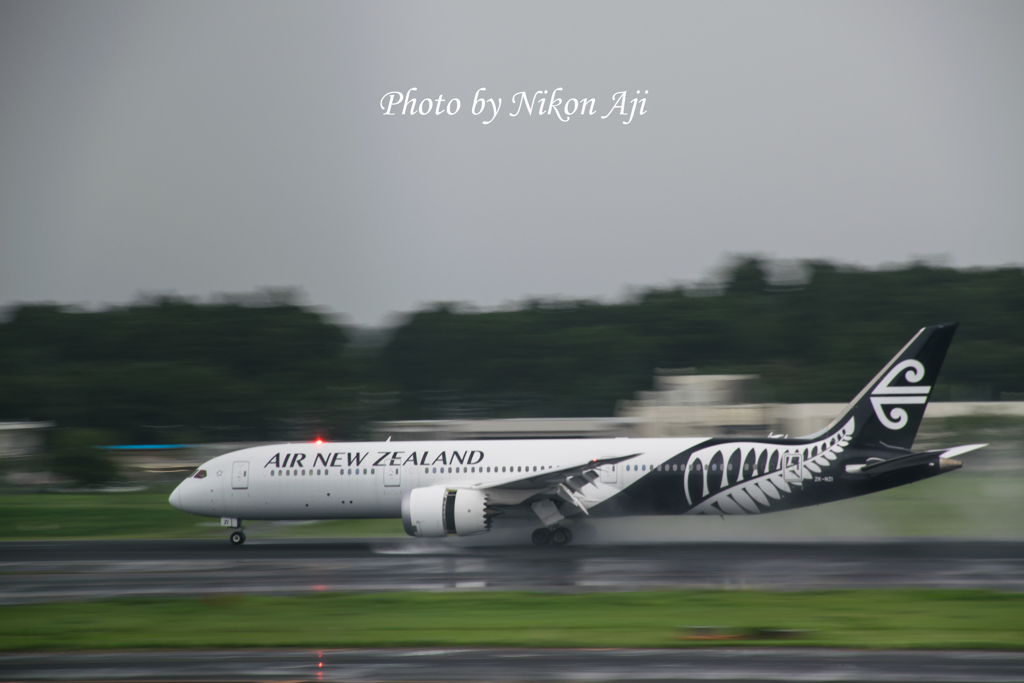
[(550, 477), (543, 488)]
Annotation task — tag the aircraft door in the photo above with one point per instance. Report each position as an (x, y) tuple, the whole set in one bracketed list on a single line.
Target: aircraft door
[(392, 476), (608, 474), (794, 466), (240, 475)]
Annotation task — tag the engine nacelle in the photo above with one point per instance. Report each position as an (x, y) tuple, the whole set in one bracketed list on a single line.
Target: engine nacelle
[(434, 511)]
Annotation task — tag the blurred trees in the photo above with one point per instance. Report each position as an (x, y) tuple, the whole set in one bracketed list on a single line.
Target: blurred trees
[(78, 455), (820, 337), (170, 370)]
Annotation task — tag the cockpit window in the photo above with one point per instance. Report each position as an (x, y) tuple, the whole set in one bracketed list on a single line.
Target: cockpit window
[(200, 474)]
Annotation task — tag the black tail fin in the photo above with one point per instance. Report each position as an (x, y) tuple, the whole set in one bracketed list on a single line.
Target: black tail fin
[(888, 411)]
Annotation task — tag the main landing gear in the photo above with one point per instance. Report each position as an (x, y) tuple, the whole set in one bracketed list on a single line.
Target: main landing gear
[(237, 537), (556, 536)]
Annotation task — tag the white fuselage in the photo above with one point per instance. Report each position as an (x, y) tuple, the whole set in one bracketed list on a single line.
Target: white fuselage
[(368, 480)]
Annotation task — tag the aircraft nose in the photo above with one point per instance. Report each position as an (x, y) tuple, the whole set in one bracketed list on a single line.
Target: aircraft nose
[(175, 499)]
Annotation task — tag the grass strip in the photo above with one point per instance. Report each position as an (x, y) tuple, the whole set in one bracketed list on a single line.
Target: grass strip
[(59, 516), (882, 619)]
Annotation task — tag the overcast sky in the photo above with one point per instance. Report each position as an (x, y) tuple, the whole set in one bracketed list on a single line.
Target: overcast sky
[(199, 147)]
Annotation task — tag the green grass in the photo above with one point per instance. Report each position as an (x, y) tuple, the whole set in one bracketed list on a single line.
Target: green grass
[(51, 516), (889, 619)]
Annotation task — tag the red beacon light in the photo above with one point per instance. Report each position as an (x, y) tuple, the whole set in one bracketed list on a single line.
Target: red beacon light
[(318, 442)]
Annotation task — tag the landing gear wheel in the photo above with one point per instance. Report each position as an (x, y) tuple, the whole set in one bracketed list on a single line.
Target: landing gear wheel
[(561, 536), (541, 536), (237, 538)]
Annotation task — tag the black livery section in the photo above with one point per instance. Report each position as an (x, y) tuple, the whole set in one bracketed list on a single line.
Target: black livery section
[(865, 449)]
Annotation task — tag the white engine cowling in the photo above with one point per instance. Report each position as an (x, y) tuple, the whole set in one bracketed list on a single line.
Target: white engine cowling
[(435, 511)]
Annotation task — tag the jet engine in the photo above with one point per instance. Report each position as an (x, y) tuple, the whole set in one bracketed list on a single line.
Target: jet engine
[(434, 511)]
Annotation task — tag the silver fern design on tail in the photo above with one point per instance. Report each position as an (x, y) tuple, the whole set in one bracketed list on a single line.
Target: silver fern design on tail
[(886, 395), (758, 482)]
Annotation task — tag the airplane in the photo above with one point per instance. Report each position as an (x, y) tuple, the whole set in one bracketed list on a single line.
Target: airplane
[(459, 488)]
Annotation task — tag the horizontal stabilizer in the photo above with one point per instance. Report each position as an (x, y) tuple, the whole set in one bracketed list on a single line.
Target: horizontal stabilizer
[(942, 458), (960, 450)]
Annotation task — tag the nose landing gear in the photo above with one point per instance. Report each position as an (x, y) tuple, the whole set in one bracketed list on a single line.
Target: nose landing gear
[(556, 536), (237, 535)]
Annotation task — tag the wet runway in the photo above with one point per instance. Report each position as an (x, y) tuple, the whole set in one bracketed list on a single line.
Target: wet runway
[(519, 665), (33, 572)]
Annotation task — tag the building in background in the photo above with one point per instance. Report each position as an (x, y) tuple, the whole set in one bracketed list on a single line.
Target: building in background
[(682, 404), (22, 440), (515, 428), (687, 404), (155, 464), (23, 453)]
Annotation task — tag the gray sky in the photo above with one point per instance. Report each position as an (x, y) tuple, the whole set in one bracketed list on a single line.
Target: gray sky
[(201, 147)]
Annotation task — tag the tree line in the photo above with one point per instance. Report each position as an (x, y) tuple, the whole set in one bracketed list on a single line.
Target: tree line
[(174, 370)]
